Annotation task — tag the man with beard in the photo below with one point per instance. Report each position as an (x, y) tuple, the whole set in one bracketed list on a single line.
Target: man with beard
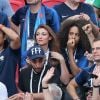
[(91, 75), (30, 78)]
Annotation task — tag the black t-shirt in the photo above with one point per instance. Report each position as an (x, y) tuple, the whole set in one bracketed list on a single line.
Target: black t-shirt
[(25, 76), (8, 62), (51, 19)]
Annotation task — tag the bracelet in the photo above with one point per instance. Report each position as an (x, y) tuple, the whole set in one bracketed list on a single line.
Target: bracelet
[(98, 86), (45, 87)]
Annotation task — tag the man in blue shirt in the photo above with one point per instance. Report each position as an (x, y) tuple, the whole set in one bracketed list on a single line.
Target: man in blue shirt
[(48, 14), (85, 75), (29, 18)]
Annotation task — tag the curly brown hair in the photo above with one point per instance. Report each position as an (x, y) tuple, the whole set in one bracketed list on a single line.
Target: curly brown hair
[(64, 32)]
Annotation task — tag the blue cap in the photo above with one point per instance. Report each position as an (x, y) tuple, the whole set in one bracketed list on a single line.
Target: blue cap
[(35, 52)]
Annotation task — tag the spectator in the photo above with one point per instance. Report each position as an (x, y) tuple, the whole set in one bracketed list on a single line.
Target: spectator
[(73, 9), (85, 76), (8, 58), (6, 8), (96, 81), (29, 18), (74, 43), (31, 76)]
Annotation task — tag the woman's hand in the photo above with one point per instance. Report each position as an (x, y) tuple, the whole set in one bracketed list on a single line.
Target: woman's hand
[(48, 76), (57, 56)]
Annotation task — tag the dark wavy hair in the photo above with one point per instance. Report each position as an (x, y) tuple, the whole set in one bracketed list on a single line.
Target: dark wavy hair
[(53, 43), (64, 32)]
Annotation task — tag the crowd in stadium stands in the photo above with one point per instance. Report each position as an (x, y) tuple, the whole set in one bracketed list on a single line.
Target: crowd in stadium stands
[(50, 50)]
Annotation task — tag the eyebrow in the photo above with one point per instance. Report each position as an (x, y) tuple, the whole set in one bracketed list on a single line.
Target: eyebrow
[(96, 48)]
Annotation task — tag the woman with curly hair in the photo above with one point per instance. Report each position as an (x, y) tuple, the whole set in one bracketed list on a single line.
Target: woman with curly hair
[(74, 43)]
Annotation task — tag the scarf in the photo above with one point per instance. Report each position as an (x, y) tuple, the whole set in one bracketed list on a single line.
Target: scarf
[(39, 20)]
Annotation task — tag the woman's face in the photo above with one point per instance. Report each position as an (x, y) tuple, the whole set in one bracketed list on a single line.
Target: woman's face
[(74, 34), (42, 37)]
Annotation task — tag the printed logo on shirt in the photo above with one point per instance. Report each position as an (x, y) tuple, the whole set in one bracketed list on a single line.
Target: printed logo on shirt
[(1, 58), (63, 16)]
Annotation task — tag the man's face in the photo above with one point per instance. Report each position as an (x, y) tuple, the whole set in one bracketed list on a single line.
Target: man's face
[(96, 50), (37, 64), (33, 2)]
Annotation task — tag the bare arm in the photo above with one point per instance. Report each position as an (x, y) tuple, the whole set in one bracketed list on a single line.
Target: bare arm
[(71, 88), (96, 32), (13, 36), (47, 77), (64, 72), (14, 27), (71, 47)]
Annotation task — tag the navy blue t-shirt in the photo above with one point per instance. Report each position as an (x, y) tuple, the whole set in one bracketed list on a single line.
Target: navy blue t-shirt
[(84, 76), (79, 57), (8, 62), (64, 11), (4, 19), (52, 19)]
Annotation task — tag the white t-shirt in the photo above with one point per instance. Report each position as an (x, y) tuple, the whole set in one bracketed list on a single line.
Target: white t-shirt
[(3, 92)]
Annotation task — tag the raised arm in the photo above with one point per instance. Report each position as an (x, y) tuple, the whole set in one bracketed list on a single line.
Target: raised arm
[(64, 72), (71, 88), (13, 36)]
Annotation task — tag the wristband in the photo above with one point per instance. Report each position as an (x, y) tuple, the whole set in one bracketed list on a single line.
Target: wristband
[(44, 87), (98, 86)]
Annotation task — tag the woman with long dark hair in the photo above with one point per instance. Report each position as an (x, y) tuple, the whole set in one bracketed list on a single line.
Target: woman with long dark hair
[(47, 39), (74, 43)]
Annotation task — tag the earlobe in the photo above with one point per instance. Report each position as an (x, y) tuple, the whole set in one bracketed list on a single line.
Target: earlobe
[(50, 38), (28, 61)]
